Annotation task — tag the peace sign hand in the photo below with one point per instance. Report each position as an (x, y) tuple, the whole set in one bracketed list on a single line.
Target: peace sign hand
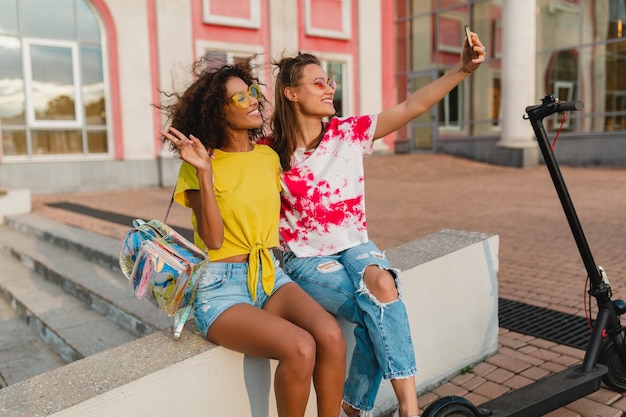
[(190, 148)]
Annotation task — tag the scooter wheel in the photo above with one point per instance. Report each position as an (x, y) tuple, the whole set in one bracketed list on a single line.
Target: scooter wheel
[(451, 406), (615, 378)]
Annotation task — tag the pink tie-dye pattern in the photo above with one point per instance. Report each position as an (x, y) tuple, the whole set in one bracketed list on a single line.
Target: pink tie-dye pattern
[(355, 129), (314, 203), (314, 209)]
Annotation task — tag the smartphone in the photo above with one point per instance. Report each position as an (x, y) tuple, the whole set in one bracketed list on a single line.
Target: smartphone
[(469, 40)]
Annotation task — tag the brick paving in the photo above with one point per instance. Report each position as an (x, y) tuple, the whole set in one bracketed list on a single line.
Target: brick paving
[(410, 196)]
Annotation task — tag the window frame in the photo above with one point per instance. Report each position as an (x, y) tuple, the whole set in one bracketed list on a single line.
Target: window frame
[(457, 47), (572, 6), (496, 78), (254, 22), (346, 22), (568, 88), (79, 123), (444, 111), (232, 51), (347, 81), (31, 120)]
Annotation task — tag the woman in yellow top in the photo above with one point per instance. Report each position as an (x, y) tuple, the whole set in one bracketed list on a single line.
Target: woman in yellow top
[(245, 301)]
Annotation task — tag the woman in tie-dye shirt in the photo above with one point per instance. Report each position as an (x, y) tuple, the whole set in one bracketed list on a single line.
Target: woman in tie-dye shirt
[(323, 227)]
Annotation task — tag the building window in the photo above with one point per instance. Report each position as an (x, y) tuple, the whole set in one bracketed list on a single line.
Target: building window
[(336, 71), (615, 101), (219, 54), (563, 6), (451, 109), (617, 18), (496, 39), (328, 18), (451, 32), (564, 79), (52, 83), (237, 13), (52, 86), (496, 90)]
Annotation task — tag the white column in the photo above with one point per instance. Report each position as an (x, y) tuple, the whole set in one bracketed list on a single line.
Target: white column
[(174, 51), (370, 57), (283, 16), (518, 72), (134, 66), (370, 62)]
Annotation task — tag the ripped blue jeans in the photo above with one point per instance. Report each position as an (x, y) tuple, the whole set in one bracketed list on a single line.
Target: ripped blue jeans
[(384, 348)]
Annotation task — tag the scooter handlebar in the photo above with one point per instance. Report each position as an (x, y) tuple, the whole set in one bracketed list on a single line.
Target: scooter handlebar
[(569, 106), (551, 105)]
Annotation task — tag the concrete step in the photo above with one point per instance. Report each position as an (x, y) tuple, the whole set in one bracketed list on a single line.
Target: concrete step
[(65, 255), (66, 324), (23, 354), (100, 249), (63, 297)]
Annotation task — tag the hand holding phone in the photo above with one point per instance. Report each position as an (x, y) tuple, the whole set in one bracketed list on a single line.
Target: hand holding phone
[(469, 41)]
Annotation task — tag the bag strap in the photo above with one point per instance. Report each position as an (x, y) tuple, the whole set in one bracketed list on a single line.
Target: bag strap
[(167, 213), (180, 317), (172, 202)]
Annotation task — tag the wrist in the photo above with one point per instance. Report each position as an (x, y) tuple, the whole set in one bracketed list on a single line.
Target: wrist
[(465, 69), (205, 171)]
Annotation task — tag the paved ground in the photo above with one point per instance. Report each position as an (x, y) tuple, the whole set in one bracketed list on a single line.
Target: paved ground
[(410, 196)]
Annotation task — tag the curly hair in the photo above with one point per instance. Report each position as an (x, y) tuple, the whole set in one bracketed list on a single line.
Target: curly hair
[(199, 110), (283, 122)]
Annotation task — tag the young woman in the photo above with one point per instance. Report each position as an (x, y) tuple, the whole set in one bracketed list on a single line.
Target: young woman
[(245, 302), (323, 228)]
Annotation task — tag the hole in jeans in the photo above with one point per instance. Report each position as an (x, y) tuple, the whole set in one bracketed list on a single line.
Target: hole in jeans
[(330, 266)]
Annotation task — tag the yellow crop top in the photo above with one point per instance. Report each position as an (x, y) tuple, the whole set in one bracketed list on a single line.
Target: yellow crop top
[(247, 188)]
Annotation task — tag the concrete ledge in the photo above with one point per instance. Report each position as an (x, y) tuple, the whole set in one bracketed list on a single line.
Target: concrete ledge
[(14, 201), (449, 284), (55, 177), (103, 373), (450, 288), (514, 157)]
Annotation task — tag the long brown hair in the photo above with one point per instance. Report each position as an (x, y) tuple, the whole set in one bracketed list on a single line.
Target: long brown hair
[(199, 110), (283, 122)]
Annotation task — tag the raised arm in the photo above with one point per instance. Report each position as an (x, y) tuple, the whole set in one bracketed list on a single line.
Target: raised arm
[(203, 202), (420, 101)]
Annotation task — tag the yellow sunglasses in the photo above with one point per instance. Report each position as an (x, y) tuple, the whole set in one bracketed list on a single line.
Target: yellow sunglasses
[(241, 99)]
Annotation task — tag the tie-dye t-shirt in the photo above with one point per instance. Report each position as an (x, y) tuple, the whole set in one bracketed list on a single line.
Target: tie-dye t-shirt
[(323, 194)]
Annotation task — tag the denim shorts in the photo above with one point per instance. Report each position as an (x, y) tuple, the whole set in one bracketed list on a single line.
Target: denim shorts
[(222, 285)]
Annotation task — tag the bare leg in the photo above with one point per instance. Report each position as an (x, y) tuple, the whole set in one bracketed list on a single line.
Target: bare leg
[(407, 396), (349, 410), (247, 329), (294, 304), (381, 284)]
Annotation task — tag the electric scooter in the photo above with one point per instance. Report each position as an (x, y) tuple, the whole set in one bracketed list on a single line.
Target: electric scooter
[(605, 356)]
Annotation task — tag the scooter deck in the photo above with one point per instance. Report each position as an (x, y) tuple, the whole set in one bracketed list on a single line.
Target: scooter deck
[(546, 394)]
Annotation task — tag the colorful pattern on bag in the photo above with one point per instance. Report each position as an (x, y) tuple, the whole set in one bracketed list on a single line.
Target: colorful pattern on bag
[(162, 267)]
